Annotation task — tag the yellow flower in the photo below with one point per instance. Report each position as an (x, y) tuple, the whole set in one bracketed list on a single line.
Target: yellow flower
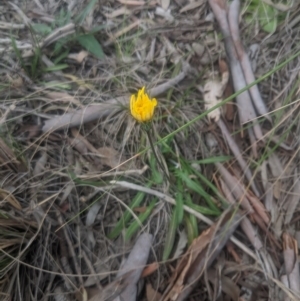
[(141, 106)]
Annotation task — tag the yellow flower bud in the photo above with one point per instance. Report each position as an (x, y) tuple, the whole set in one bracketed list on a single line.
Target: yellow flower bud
[(141, 106)]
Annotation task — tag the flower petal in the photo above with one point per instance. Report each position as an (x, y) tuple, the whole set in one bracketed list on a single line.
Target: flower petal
[(141, 106)]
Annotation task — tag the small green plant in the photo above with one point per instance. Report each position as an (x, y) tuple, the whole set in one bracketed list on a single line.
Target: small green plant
[(268, 16), (34, 66)]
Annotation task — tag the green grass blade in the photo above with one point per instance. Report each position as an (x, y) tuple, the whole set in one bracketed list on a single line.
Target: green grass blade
[(81, 17), (210, 185), (197, 188), (212, 160), (35, 61), (171, 235), (192, 219), (156, 175), (42, 29), (97, 28), (62, 56), (201, 116), (127, 215), (90, 43), (56, 67), (18, 54), (179, 202), (191, 230), (204, 210), (133, 228)]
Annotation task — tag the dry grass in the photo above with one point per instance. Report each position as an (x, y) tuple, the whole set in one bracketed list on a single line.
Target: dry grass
[(58, 204)]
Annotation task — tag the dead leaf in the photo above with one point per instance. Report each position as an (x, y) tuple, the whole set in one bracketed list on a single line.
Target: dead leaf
[(8, 197), (162, 56), (16, 81), (275, 166), (198, 48), (40, 164), (228, 91), (63, 97), (230, 247), (121, 32), (105, 155), (192, 5), (182, 242), (290, 254), (293, 200), (164, 4), (81, 294), (83, 85), (28, 131), (79, 57), (279, 6), (134, 265), (140, 209), (259, 208), (91, 292), (112, 290), (150, 269), (110, 157), (151, 52), (277, 189), (228, 286), (8, 158), (132, 2), (200, 256), (151, 294), (118, 12), (79, 145), (213, 92), (164, 13), (213, 95)]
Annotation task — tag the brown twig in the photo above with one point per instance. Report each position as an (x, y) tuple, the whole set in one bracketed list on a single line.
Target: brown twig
[(235, 149)]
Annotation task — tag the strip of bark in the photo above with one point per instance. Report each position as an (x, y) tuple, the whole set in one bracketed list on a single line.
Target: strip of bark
[(233, 19), (246, 110)]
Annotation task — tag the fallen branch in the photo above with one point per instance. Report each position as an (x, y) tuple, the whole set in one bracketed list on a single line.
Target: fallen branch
[(233, 19), (245, 106), (101, 110), (135, 264)]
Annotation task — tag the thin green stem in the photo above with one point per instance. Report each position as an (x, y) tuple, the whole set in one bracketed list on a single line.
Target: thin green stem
[(200, 116), (149, 134)]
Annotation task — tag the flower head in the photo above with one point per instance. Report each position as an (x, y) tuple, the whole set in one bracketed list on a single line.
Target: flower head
[(141, 106)]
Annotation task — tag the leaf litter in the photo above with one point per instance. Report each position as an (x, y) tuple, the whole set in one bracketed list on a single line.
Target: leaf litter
[(67, 144)]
